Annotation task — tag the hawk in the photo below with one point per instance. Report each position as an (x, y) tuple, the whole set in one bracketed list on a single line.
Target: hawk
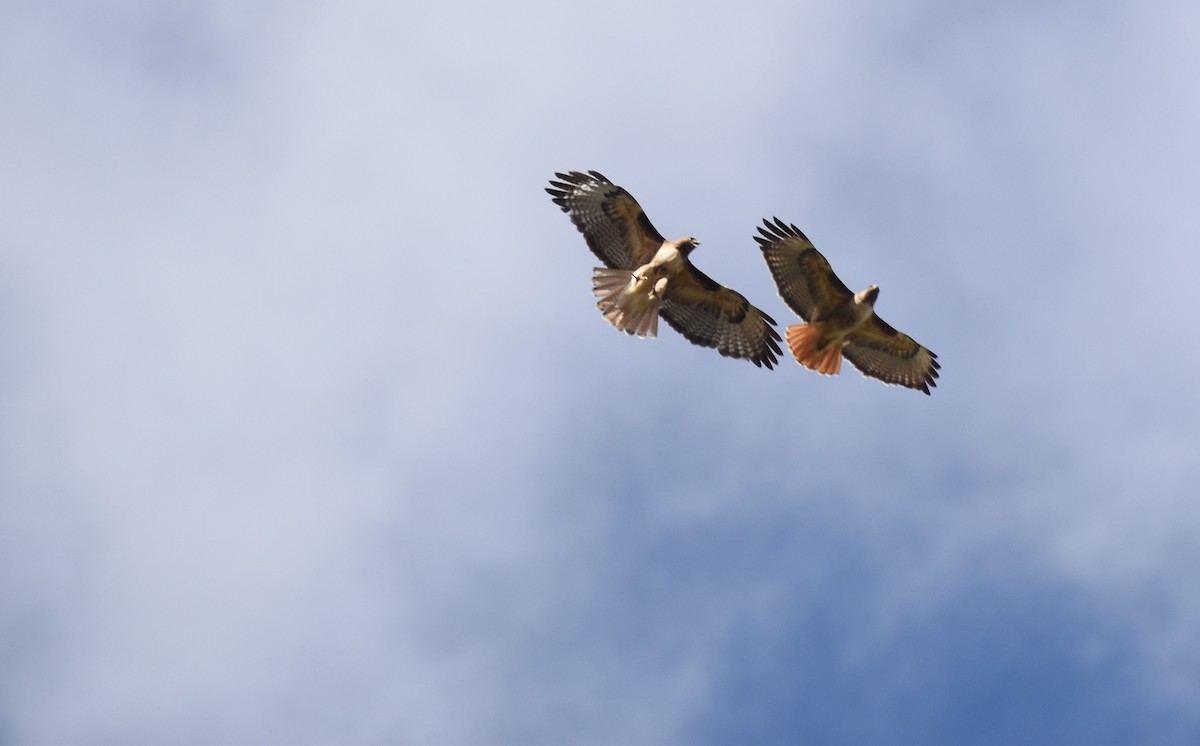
[(645, 275), (839, 322)]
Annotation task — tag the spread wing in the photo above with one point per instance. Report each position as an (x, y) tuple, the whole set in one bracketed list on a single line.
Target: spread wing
[(879, 351), (805, 280), (612, 222), (712, 315)]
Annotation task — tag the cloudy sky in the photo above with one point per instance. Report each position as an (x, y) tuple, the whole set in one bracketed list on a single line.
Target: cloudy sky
[(310, 431)]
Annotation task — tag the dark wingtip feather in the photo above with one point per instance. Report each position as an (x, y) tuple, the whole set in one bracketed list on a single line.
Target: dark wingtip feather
[(559, 197), (929, 382), (772, 232)]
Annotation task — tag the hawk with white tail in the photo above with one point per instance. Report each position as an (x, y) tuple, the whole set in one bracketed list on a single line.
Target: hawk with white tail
[(839, 322), (646, 275)]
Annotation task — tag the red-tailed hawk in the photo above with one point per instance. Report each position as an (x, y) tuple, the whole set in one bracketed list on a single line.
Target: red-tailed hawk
[(646, 275), (839, 322)]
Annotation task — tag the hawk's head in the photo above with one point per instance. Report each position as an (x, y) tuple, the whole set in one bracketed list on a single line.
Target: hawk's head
[(687, 245), (867, 296)]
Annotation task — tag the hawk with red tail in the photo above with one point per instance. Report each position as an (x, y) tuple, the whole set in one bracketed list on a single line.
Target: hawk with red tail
[(840, 323)]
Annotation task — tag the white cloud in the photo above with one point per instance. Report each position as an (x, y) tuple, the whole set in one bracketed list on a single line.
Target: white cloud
[(310, 431)]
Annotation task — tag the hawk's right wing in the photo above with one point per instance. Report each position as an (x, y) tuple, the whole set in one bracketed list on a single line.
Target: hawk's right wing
[(805, 280), (612, 222)]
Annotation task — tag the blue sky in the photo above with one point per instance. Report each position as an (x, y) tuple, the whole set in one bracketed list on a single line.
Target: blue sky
[(310, 431)]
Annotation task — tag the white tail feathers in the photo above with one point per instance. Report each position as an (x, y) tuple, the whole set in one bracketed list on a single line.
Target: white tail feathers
[(805, 342), (628, 301)]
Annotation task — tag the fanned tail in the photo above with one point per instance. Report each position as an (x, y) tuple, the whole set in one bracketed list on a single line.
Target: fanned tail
[(804, 341), (629, 304), (607, 283)]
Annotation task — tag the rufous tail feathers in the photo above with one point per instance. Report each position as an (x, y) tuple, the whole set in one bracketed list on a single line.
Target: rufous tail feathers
[(804, 340), (630, 304)]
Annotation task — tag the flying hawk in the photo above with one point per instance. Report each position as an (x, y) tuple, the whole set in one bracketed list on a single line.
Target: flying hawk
[(646, 275), (839, 322)]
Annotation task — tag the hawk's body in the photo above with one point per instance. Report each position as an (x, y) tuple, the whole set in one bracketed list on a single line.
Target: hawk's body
[(646, 275), (840, 323)]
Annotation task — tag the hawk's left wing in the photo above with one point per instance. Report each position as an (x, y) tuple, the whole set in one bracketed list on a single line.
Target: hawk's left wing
[(711, 315), (612, 222), (879, 351)]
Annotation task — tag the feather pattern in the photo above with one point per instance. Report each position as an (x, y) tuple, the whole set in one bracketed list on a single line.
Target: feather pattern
[(720, 317), (612, 222), (879, 351), (805, 280)]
